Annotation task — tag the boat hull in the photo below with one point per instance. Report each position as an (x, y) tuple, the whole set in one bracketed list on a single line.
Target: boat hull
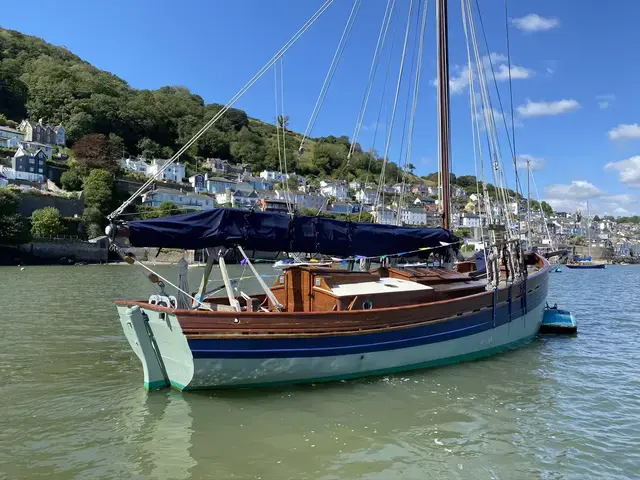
[(188, 363), (586, 267)]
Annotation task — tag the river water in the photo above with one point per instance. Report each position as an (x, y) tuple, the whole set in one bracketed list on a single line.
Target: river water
[(72, 404)]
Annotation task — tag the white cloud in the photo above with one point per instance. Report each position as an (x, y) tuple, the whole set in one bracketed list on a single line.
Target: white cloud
[(535, 23), (534, 162), (628, 170), (459, 78), (624, 131), (517, 73), (576, 190), (538, 109), (623, 204)]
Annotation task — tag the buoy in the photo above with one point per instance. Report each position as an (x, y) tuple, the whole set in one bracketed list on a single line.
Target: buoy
[(558, 321), (21, 269)]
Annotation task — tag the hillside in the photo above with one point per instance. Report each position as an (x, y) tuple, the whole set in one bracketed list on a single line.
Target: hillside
[(40, 80)]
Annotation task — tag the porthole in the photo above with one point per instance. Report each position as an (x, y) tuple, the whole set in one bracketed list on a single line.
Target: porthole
[(367, 305)]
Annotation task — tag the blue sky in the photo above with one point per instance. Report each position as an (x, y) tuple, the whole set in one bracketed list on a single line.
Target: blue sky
[(575, 98)]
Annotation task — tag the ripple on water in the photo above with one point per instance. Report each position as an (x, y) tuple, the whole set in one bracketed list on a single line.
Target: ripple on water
[(73, 407)]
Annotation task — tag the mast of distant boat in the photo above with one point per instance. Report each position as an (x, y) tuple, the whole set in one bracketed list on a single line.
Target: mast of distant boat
[(528, 203), (444, 122), (588, 232)]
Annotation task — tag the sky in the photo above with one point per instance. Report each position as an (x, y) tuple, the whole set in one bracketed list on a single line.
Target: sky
[(574, 81)]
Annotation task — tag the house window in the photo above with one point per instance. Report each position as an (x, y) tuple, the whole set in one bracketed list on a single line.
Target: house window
[(32, 161), (31, 169)]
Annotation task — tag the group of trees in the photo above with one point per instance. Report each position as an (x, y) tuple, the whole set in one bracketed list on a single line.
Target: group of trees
[(16, 229), (105, 118)]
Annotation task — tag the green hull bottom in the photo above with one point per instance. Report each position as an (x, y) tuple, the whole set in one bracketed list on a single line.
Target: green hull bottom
[(371, 373)]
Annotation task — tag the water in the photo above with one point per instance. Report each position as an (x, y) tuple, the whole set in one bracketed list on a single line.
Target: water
[(72, 403)]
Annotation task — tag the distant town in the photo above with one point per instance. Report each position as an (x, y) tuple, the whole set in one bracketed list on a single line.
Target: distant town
[(37, 160)]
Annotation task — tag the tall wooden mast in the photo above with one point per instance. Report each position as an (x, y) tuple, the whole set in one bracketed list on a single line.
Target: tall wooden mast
[(444, 122)]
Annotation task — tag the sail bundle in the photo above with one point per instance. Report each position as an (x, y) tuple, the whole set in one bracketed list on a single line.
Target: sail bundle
[(275, 232)]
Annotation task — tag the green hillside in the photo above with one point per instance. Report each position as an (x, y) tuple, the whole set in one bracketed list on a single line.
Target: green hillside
[(40, 80)]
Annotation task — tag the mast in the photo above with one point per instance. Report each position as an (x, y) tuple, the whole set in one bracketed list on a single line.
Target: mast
[(588, 231), (444, 122), (529, 203)]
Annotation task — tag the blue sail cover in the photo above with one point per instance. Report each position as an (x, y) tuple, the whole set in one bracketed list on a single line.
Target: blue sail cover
[(269, 231)]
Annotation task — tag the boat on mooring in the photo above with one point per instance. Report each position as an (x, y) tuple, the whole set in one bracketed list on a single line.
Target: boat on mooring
[(320, 323)]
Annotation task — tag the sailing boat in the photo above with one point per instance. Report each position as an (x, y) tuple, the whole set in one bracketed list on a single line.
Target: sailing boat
[(585, 263), (322, 324)]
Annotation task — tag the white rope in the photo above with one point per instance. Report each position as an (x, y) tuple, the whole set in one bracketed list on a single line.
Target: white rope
[(414, 105), (224, 109), (331, 72), (173, 285), (475, 134), (395, 106), (284, 142), (490, 125), (382, 35), (275, 87), (544, 217)]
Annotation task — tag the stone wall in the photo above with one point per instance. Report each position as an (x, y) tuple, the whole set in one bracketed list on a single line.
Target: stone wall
[(68, 207), (55, 251)]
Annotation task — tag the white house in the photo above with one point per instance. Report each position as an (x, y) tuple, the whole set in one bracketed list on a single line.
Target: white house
[(238, 199), (385, 216), (271, 175), (302, 200), (199, 182), (339, 191), (135, 165), (184, 200), (470, 220), (413, 216), (217, 185), (174, 172), (366, 196), (10, 137)]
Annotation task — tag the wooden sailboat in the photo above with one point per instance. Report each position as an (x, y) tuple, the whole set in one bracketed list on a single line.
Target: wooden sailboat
[(321, 324), (578, 263)]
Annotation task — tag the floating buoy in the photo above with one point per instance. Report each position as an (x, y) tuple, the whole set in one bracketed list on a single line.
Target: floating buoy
[(558, 321), (21, 269)]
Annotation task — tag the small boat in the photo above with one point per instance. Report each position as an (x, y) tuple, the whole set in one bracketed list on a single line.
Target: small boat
[(585, 266), (558, 321), (558, 269)]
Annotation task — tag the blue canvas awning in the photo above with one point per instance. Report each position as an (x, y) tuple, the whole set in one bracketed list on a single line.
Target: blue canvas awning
[(269, 231)]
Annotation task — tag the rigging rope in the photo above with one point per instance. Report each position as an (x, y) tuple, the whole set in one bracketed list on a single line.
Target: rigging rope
[(331, 72), (287, 190), (414, 105), (224, 109), (382, 35), (395, 105)]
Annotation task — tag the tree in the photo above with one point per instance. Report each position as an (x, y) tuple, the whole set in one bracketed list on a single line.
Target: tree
[(149, 149), (71, 180), (98, 197), (546, 208), (596, 218), (46, 222), (283, 121), (14, 228), (94, 151), (411, 168)]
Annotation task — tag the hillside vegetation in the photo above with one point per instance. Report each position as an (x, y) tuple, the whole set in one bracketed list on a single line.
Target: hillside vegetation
[(40, 80)]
